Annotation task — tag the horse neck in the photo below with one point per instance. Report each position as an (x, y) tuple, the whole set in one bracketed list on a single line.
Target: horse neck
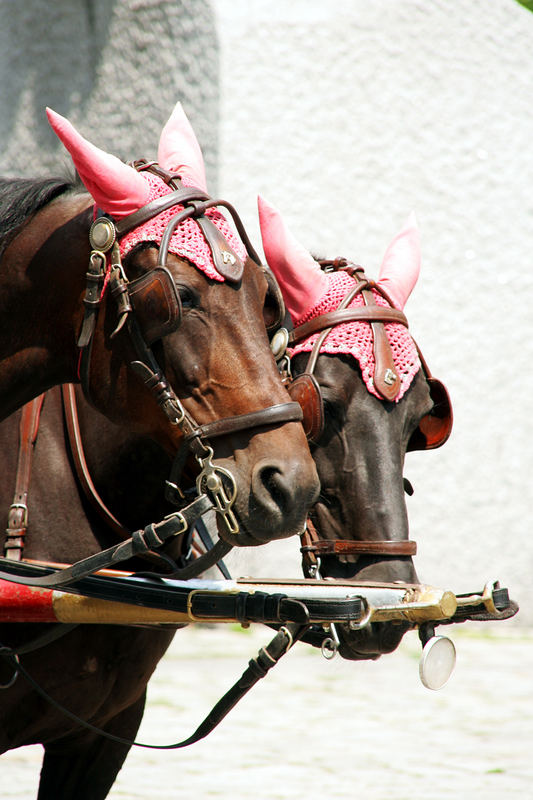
[(43, 275), (128, 470)]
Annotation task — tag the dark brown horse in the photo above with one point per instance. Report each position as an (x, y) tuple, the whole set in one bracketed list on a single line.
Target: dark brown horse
[(368, 398)]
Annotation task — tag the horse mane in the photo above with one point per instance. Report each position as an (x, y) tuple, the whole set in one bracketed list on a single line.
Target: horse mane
[(22, 197)]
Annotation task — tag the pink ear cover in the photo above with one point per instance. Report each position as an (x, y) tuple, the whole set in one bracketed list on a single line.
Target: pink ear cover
[(401, 264), (120, 190), (115, 187), (179, 150), (301, 280)]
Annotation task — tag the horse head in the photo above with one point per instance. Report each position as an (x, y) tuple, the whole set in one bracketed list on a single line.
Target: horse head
[(367, 399), (178, 349)]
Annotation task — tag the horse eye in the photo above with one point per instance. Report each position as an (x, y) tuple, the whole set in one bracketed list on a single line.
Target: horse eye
[(188, 298)]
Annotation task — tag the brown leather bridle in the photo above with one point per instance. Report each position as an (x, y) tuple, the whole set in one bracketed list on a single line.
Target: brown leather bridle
[(432, 431), (143, 329)]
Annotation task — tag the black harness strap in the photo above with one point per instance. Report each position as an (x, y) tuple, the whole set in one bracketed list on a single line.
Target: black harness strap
[(257, 668), (142, 541)]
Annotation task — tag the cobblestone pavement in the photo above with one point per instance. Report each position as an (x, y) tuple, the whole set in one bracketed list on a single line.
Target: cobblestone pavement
[(315, 729)]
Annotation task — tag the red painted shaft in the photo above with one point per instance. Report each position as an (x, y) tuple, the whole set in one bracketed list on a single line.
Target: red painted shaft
[(25, 603)]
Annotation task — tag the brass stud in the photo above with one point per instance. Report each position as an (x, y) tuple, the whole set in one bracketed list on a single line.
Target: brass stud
[(102, 235)]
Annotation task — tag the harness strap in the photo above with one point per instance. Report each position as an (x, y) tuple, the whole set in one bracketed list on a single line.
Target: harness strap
[(273, 415), (387, 547), (80, 464), (340, 316), (157, 206), (141, 541), (17, 519), (386, 379), (258, 668)]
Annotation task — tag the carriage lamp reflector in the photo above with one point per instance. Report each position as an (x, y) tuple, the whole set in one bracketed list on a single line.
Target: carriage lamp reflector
[(437, 662)]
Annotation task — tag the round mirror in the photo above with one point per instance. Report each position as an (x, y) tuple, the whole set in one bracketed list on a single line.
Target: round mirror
[(437, 662)]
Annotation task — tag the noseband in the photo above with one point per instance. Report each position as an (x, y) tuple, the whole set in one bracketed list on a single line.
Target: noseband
[(149, 308), (432, 431)]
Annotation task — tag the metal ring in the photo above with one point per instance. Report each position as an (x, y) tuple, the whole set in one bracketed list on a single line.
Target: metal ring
[(288, 634), (329, 648)]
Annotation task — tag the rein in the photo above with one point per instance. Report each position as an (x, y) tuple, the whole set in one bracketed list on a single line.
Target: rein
[(258, 668)]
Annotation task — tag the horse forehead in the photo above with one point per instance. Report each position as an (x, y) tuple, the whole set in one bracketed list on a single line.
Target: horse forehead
[(339, 376)]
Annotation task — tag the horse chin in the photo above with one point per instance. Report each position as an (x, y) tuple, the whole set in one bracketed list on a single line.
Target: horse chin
[(371, 642), (377, 638)]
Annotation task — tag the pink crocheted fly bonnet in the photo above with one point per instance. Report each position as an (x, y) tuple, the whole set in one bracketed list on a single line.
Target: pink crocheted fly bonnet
[(308, 295), (120, 190)]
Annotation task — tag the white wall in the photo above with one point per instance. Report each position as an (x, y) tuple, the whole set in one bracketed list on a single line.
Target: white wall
[(347, 115)]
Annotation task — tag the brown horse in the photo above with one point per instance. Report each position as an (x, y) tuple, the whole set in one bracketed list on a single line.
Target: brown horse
[(368, 398), (216, 367), (172, 340)]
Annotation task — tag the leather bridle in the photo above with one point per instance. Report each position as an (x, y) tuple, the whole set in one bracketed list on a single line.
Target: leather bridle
[(105, 265), (432, 431)]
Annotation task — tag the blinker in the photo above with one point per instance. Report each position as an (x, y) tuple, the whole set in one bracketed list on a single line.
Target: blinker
[(156, 302), (434, 428), (306, 391)]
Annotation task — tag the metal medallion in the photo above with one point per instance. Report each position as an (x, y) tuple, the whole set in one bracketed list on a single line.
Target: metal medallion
[(102, 235)]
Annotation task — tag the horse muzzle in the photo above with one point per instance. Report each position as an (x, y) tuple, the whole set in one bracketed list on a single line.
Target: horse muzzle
[(369, 643)]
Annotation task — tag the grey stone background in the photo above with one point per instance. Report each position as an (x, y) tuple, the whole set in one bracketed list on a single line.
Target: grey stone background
[(115, 68), (346, 115)]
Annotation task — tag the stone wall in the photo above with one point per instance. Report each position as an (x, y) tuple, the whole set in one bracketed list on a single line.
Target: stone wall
[(115, 68)]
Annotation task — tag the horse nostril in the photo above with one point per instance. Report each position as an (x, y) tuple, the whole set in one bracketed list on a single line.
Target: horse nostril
[(270, 488), (281, 495)]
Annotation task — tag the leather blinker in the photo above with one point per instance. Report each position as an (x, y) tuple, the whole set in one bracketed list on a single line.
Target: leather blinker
[(274, 307), (156, 302), (434, 428), (306, 391)]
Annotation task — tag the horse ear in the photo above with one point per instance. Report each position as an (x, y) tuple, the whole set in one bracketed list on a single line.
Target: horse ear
[(179, 150), (116, 188), (300, 278), (400, 268)]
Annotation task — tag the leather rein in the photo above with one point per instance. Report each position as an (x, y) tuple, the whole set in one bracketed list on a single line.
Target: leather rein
[(305, 388)]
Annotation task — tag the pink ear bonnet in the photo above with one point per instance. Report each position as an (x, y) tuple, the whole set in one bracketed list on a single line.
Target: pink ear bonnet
[(308, 296), (119, 190)]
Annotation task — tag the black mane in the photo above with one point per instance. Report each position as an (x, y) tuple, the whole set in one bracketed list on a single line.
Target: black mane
[(22, 197)]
